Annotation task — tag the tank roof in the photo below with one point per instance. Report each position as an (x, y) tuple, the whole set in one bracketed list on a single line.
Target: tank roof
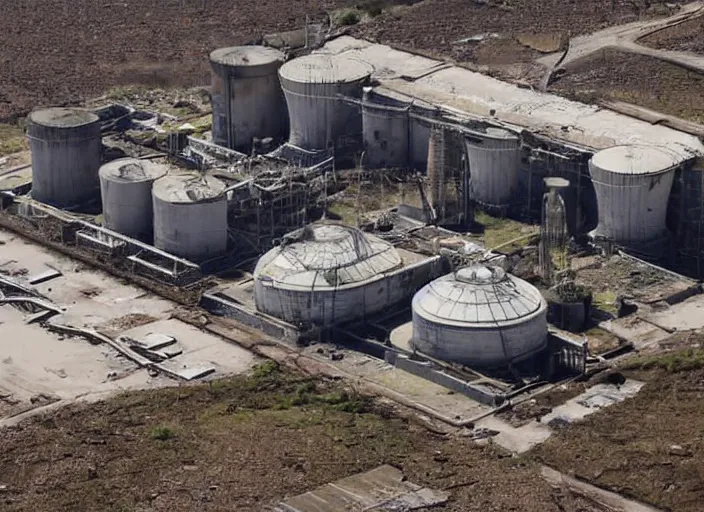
[(132, 170), (500, 133), (246, 56), (323, 256), (556, 182), (63, 117), (636, 159), (188, 188), (323, 68), (478, 296)]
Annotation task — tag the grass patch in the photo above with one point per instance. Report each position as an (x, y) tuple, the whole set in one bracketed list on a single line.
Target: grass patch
[(12, 139), (605, 301), (162, 433), (347, 18), (673, 362), (499, 231)]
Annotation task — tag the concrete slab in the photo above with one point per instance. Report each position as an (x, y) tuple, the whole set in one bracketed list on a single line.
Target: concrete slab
[(383, 488), (636, 330), (595, 398), (201, 350), (685, 316), (516, 440)]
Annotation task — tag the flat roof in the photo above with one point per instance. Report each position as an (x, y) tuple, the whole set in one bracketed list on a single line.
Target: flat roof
[(474, 94)]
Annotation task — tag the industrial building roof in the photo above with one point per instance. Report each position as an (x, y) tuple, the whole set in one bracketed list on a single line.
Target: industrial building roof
[(246, 56), (326, 69), (478, 296), (63, 117), (188, 188), (483, 97), (132, 170), (325, 256), (636, 159)]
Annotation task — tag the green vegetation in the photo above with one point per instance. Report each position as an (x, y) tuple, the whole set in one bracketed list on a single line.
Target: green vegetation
[(499, 231), (162, 433), (605, 301), (672, 362), (348, 17), (12, 139)]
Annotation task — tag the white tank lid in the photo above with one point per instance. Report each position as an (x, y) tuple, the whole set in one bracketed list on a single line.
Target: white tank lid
[(325, 69), (636, 159), (478, 296), (63, 117), (188, 188), (246, 56), (325, 256), (132, 170)]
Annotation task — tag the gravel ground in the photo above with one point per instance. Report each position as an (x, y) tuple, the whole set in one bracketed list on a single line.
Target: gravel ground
[(686, 37)]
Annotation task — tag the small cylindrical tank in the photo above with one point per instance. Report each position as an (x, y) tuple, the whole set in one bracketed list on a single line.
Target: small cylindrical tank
[(494, 163), (246, 96), (632, 185), (126, 192), (313, 86), (190, 216), (479, 316), (66, 153), (385, 131)]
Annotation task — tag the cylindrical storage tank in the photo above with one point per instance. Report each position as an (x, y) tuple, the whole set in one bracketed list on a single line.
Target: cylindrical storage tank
[(190, 216), (326, 274), (313, 86), (632, 186), (246, 96), (494, 164), (385, 132), (479, 316), (66, 153), (126, 192)]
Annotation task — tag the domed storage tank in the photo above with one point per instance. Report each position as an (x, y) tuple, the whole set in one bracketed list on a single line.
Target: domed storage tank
[(126, 191), (385, 131), (479, 316), (632, 185), (66, 153), (494, 163), (312, 86), (246, 95), (325, 274), (190, 216)]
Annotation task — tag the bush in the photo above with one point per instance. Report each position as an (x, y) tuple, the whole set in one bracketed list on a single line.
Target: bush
[(163, 433), (348, 18)]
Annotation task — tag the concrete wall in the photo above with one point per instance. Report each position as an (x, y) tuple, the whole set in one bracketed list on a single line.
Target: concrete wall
[(195, 231), (346, 303), (65, 163), (386, 136), (481, 347)]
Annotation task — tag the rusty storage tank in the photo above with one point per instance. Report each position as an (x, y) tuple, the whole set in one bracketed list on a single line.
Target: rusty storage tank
[(632, 185), (385, 131), (190, 216), (314, 86), (246, 96), (325, 274), (126, 192), (66, 153), (494, 164), (479, 316)]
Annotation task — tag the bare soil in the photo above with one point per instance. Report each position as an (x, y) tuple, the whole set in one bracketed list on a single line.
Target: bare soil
[(243, 444), (56, 52), (439, 25), (637, 79), (685, 37), (648, 447)]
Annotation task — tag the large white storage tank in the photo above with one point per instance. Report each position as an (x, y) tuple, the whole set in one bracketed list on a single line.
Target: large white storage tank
[(190, 216), (494, 164), (325, 274), (632, 185), (385, 131), (479, 316), (126, 192), (246, 95), (66, 152), (313, 86)]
